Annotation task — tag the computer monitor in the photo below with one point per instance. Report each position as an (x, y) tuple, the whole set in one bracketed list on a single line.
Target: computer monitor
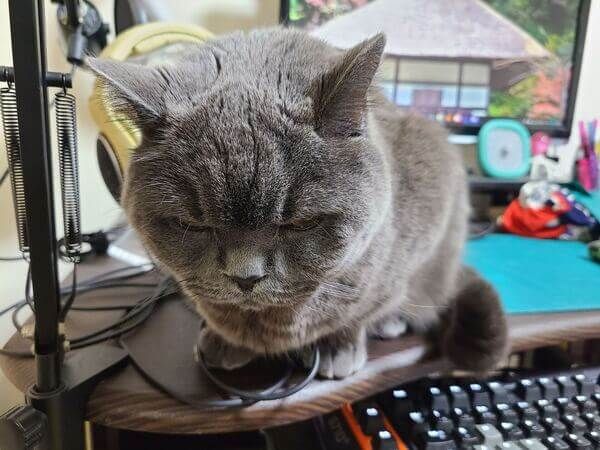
[(462, 62)]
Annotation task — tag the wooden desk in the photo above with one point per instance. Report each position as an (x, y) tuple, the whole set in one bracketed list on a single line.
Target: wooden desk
[(127, 401)]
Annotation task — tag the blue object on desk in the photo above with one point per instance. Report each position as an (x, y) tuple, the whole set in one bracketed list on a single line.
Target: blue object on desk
[(590, 201), (537, 275)]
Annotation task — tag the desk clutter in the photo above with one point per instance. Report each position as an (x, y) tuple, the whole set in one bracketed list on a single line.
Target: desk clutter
[(545, 255), (550, 211)]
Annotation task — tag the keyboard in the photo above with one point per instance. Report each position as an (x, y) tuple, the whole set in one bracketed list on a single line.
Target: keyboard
[(513, 411)]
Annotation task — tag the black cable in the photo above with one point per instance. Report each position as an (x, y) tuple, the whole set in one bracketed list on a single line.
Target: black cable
[(7, 258), (102, 276), (28, 298), (117, 332), (489, 228), (15, 316), (145, 305), (260, 395), (67, 305), (8, 308), (89, 285), (4, 177), (138, 309), (101, 281)]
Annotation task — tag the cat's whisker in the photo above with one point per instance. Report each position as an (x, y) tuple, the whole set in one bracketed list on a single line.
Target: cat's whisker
[(184, 234)]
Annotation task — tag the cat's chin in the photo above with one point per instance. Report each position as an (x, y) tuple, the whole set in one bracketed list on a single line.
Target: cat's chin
[(249, 302)]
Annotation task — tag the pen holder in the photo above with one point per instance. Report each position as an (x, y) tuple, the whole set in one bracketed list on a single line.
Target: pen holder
[(587, 171)]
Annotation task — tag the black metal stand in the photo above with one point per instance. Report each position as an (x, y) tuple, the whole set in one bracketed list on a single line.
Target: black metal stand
[(61, 388)]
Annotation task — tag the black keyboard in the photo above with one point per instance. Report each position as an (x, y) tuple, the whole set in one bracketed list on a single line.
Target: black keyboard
[(512, 412)]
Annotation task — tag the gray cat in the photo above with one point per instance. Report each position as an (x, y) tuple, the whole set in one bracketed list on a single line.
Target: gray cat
[(298, 207)]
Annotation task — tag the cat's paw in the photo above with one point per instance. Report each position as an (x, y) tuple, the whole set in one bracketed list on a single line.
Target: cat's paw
[(388, 328), (218, 353), (340, 357)]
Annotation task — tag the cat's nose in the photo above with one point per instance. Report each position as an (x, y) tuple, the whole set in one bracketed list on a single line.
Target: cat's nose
[(247, 284)]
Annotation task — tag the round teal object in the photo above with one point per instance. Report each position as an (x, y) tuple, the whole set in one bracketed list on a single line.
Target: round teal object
[(504, 149)]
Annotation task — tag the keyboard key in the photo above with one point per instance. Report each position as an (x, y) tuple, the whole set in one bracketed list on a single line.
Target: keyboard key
[(577, 442), (554, 427), (511, 432), (437, 399), (566, 406), (462, 419), (479, 396), (510, 446), (506, 414), (574, 424), (437, 440), (489, 434), (417, 423), (550, 389), (531, 444), (397, 404), (567, 386), (555, 443), (528, 390), (498, 392), (466, 438), (383, 440), (526, 411), (533, 429), (593, 437), (484, 415), (596, 398), (592, 420), (547, 409), (370, 420), (585, 385), (459, 398), (585, 404), (441, 422)]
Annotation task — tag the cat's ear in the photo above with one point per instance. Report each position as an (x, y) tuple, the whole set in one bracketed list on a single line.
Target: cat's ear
[(340, 95), (136, 91)]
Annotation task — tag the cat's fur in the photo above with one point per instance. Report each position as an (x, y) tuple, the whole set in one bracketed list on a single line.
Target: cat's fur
[(271, 154)]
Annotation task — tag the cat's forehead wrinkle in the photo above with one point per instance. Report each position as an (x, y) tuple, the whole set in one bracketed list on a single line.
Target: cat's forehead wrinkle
[(287, 61)]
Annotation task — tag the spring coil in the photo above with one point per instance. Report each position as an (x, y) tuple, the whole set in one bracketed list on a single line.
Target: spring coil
[(10, 123), (66, 132)]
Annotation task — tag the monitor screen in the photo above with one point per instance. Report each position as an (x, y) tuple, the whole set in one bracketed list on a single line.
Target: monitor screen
[(462, 62)]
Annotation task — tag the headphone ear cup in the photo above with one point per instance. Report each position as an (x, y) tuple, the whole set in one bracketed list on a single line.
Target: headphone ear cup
[(109, 167)]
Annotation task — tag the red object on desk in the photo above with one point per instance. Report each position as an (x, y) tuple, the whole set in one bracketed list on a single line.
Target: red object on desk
[(531, 222)]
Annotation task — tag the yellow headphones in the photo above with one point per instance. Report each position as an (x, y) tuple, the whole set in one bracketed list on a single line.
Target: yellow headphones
[(117, 138)]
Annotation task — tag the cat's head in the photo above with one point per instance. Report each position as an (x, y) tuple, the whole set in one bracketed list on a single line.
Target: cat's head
[(256, 181)]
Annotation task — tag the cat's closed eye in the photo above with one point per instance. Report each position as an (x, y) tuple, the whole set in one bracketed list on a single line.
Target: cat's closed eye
[(177, 223), (302, 224)]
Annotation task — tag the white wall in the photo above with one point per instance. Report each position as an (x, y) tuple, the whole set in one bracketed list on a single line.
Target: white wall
[(98, 208)]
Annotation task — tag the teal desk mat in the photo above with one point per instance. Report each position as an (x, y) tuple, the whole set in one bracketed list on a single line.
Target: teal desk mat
[(538, 275)]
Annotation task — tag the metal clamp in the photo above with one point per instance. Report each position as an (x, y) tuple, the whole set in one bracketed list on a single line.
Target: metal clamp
[(53, 79)]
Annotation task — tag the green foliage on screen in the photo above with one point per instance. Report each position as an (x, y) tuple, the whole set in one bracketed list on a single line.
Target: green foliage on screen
[(515, 103), (550, 22)]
